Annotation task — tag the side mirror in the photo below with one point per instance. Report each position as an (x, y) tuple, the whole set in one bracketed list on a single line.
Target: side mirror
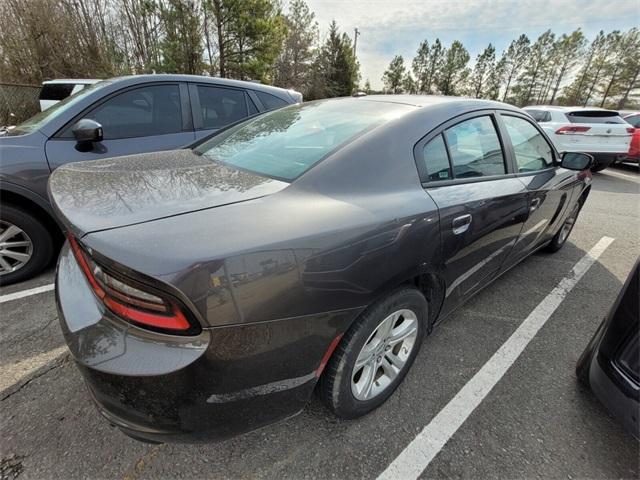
[(87, 131), (577, 161)]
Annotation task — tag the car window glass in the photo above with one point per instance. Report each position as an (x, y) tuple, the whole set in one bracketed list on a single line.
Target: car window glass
[(146, 111), (531, 149), (594, 116), (285, 143), (474, 148), (252, 106), (633, 120), (540, 116), (56, 91), (270, 102), (221, 106), (436, 160)]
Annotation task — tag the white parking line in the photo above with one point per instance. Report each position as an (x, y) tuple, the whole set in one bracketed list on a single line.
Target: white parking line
[(421, 451), (26, 293)]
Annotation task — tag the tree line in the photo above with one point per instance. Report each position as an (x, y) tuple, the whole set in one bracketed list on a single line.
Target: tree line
[(554, 69), (241, 39), (258, 40)]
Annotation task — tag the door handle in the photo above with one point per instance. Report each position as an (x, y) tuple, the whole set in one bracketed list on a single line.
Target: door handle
[(535, 203), (461, 224)]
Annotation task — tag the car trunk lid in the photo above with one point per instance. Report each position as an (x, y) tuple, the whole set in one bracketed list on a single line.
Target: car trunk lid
[(111, 193)]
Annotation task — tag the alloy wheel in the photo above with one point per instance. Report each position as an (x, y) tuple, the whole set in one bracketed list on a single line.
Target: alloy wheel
[(16, 248), (568, 226), (384, 354)]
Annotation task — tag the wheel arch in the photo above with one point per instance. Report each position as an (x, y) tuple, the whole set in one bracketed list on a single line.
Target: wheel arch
[(22, 198)]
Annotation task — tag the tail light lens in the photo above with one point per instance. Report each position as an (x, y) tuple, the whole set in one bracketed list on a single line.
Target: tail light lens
[(630, 129), (568, 130), (130, 302)]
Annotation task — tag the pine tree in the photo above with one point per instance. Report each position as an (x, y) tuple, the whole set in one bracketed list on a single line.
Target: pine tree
[(485, 64), (568, 54), (513, 61), (292, 68), (394, 74), (420, 66), (531, 79), (453, 71)]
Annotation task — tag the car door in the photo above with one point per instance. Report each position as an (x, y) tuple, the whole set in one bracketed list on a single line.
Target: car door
[(215, 107), (548, 187), (482, 205), (139, 119)]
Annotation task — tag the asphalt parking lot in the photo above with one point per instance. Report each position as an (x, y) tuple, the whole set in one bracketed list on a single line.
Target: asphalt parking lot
[(535, 422)]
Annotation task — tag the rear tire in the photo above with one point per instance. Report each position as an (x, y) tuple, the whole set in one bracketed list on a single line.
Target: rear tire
[(21, 227), (375, 354)]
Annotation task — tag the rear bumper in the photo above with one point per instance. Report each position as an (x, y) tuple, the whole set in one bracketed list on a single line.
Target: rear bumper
[(220, 383)]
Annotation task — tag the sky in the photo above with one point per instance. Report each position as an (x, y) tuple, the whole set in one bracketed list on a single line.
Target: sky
[(395, 27)]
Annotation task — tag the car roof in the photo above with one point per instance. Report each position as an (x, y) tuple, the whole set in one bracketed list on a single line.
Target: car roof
[(72, 80), (426, 101), (170, 77), (568, 109)]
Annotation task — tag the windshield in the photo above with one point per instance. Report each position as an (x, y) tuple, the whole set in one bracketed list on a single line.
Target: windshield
[(285, 143), (41, 118)]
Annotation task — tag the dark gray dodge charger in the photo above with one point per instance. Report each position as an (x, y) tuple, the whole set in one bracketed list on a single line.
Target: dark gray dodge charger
[(207, 292)]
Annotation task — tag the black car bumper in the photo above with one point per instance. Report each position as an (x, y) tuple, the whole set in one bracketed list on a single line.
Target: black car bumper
[(222, 382)]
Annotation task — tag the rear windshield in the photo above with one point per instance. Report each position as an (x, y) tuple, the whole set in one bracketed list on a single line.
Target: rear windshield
[(285, 143), (594, 116), (540, 115), (56, 91)]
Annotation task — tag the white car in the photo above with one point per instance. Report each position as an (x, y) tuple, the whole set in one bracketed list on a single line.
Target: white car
[(602, 133), (55, 90)]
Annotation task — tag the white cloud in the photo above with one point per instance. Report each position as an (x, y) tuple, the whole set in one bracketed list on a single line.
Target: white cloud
[(397, 27)]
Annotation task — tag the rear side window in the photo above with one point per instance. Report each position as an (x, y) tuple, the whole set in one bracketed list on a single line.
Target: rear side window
[(633, 120), (271, 102), (532, 150), (143, 112), (436, 160), (474, 149), (540, 116), (594, 116), (56, 91), (221, 106)]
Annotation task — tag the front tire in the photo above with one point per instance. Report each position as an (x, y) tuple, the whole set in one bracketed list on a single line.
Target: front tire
[(26, 246), (560, 238), (375, 354)]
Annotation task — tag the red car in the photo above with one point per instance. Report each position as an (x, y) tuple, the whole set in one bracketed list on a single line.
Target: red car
[(634, 146)]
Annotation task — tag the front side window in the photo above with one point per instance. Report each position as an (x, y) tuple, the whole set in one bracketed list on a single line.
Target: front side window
[(221, 106), (474, 149), (285, 143), (532, 150), (143, 112)]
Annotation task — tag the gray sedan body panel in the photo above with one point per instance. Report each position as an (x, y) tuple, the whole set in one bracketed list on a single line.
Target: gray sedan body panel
[(276, 272)]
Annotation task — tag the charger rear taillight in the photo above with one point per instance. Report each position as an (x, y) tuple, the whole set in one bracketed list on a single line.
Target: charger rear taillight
[(130, 302), (569, 130), (630, 130)]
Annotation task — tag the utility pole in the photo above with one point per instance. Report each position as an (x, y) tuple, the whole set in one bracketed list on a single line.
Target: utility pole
[(356, 32)]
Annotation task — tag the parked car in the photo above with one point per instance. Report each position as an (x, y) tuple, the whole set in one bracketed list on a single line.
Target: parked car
[(634, 147), (601, 133), (610, 365), (54, 91), (121, 116), (206, 292)]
